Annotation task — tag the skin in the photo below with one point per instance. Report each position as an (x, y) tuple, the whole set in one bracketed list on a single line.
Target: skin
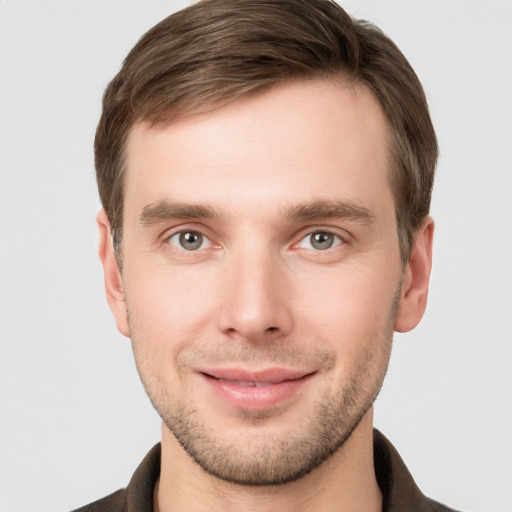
[(255, 180)]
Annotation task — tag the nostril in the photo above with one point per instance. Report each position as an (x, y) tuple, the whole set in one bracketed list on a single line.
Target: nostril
[(270, 329)]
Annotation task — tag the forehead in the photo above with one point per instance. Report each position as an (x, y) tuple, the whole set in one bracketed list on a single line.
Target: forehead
[(300, 139)]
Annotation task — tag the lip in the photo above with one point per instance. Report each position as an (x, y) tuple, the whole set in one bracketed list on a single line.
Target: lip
[(255, 390)]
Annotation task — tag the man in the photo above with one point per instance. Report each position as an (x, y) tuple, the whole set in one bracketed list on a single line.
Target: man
[(265, 169)]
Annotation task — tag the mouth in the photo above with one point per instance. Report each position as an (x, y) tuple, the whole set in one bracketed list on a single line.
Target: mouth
[(254, 384), (256, 390)]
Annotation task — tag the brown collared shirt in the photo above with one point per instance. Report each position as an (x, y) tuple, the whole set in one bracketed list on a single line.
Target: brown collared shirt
[(400, 492)]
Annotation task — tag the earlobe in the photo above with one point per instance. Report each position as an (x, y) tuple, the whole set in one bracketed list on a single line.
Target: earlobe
[(112, 275), (415, 280)]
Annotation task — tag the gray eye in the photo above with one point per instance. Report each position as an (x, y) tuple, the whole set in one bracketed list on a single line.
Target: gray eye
[(189, 240), (321, 240)]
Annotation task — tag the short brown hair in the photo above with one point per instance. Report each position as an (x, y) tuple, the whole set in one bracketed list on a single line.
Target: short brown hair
[(216, 51)]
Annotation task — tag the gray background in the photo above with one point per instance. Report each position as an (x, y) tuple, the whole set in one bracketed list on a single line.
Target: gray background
[(74, 419)]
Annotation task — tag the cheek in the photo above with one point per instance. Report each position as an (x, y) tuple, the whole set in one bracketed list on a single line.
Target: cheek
[(348, 309), (167, 309), (166, 315)]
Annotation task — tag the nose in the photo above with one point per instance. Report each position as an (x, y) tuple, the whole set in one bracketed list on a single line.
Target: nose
[(255, 299)]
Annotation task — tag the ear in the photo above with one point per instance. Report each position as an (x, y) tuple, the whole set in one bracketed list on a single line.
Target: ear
[(112, 275), (415, 279)]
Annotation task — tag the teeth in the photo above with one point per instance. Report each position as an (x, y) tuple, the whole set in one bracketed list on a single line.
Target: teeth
[(249, 384)]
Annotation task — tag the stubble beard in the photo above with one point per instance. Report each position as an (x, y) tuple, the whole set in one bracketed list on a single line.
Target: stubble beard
[(259, 459)]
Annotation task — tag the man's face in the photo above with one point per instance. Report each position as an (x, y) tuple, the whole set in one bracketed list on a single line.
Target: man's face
[(262, 275)]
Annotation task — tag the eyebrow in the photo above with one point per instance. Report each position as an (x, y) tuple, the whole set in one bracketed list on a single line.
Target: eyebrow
[(317, 210), (165, 210)]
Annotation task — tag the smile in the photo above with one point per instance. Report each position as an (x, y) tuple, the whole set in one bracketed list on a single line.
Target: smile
[(260, 390)]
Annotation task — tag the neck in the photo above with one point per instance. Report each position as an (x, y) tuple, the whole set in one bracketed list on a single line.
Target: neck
[(345, 482)]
